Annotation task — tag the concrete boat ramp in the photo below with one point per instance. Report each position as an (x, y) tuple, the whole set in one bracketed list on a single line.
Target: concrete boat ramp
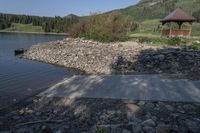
[(131, 87)]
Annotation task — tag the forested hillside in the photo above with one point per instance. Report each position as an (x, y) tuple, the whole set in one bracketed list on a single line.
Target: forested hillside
[(49, 24), (157, 9)]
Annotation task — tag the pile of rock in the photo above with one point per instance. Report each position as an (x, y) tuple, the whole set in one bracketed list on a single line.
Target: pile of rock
[(59, 115), (166, 60), (89, 56), (122, 57)]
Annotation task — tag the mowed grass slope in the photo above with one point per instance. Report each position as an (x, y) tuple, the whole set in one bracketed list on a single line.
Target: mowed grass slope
[(24, 28), (148, 31), (151, 28)]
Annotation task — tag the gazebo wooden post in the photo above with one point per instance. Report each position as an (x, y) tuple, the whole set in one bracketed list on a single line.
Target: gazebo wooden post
[(162, 30), (170, 30), (190, 32)]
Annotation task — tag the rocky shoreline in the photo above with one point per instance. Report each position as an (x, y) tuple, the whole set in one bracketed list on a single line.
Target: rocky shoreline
[(87, 115), (118, 58), (63, 115)]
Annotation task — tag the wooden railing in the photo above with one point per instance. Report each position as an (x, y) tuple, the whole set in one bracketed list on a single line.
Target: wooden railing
[(175, 32)]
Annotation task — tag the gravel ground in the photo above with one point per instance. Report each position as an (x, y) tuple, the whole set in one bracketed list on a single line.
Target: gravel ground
[(63, 115)]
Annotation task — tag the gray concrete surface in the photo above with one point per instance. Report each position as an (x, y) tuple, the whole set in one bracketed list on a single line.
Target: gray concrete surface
[(132, 87)]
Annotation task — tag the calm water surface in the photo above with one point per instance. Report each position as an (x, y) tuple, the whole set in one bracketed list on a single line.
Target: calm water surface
[(21, 78)]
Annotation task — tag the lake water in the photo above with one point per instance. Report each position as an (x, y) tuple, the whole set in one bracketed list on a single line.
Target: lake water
[(21, 78)]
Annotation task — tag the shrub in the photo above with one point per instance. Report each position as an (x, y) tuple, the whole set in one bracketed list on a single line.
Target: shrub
[(105, 28), (144, 40), (100, 130), (196, 45), (174, 41), (153, 40)]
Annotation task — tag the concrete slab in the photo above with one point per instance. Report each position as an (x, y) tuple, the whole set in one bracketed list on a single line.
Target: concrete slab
[(133, 87)]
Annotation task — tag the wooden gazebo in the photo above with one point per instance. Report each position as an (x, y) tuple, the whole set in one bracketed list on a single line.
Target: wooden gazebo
[(178, 16)]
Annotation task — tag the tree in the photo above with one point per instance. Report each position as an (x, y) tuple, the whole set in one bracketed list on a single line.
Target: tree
[(197, 15)]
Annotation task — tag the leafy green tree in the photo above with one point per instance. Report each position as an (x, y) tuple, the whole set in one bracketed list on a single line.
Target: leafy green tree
[(105, 28)]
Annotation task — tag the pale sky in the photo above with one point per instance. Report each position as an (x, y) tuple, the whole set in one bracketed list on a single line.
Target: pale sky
[(61, 7)]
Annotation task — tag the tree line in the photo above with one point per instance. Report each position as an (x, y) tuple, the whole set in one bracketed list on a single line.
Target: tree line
[(197, 15), (49, 24)]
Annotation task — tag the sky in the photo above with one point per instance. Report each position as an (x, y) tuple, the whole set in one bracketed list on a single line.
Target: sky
[(61, 7)]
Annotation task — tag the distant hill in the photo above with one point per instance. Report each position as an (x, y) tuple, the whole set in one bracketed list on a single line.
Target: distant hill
[(24, 23), (157, 9), (72, 16)]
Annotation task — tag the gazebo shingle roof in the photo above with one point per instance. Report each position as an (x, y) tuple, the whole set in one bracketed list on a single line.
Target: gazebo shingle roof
[(178, 15)]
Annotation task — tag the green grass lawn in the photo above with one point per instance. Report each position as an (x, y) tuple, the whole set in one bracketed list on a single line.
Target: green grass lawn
[(148, 32), (151, 28), (24, 28)]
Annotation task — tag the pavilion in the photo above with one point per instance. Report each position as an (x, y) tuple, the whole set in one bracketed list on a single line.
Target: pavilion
[(178, 16)]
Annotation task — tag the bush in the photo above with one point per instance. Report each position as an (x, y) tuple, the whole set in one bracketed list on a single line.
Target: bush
[(144, 40), (153, 40), (105, 28), (174, 41), (196, 45)]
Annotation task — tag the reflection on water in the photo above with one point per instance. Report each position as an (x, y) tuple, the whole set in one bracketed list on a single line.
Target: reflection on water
[(20, 78)]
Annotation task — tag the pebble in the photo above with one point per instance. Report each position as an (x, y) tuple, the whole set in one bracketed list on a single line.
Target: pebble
[(15, 117), (59, 131), (141, 103), (46, 129), (169, 107), (149, 129), (149, 123), (38, 113), (125, 131)]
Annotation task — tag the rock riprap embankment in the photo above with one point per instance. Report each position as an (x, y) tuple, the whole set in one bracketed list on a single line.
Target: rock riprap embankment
[(63, 115), (121, 57)]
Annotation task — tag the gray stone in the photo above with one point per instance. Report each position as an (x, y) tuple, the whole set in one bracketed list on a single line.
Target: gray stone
[(125, 131), (29, 111), (115, 130), (160, 57), (133, 107), (6, 131), (130, 116), (38, 113), (169, 107), (149, 129), (16, 117), (59, 131), (193, 125), (149, 105), (66, 127), (136, 128), (141, 103), (149, 123), (162, 128), (46, 129), (188, 107)]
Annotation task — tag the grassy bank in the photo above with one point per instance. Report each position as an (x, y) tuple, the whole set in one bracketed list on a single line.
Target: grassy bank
[(148, 32), (28, 29), (151, 28), (193, 42), (24, 28)]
